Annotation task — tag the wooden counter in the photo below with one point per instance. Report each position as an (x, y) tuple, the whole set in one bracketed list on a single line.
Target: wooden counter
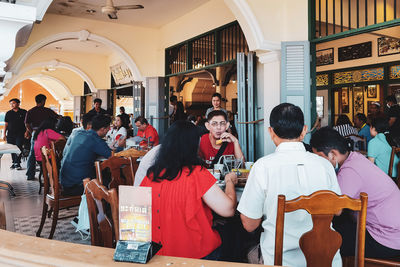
[(21, 250)]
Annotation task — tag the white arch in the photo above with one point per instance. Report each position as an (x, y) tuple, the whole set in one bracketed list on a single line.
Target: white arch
[(49, 89), (55, 64), (81, 36), (250, 26)]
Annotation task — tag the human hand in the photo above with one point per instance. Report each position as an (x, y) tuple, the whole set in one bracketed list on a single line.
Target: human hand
[(231, 177), (5, 137), (228, 137), (122, 142), (27, 135)]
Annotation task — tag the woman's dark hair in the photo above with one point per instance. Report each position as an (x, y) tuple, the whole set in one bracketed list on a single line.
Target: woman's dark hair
[(326, 139), (179, 149), (287, 120), (381, 125), (49, 123), (65, 125), (342, 120), (124, 123)]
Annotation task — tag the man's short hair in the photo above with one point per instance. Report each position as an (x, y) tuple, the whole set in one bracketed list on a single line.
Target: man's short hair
[(217, 95), (381, 125), (142, 120), (16, 100), (40, 98), (122, 109), (173, 98), (215, 113), (287, 120), (100, 121), (391, 98), (97, 100), (326, 139), (361, 117), (86, 119)]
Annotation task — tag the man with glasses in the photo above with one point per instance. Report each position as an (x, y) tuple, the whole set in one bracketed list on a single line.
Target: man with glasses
[(147, 131), (218, 142)]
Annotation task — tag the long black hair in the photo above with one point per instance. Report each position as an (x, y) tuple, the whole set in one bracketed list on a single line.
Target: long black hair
[(179, 149), (342, 120), (124, 123), (49, 123)]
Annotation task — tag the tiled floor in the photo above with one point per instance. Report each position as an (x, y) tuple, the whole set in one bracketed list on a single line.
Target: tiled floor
[(23, 212)]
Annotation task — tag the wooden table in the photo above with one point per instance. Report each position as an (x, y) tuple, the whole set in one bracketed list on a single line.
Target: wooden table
[(21, 250)]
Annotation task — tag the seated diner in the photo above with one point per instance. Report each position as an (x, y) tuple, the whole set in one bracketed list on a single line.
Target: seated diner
[(147, 131)]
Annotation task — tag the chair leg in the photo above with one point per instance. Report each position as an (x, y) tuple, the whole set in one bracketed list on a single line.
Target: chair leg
[(44, 213), (54, 222), (50, 212)]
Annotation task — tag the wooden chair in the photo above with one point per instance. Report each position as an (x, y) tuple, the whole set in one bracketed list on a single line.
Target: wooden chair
[(359, 142), (53, 197), (122, 171), (321, 243), (3, 224), (395, 150), (58, 147), (104, 231)]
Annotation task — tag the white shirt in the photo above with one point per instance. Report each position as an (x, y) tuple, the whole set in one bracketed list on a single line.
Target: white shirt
[(145, 163), (122, 132), (290, 171)]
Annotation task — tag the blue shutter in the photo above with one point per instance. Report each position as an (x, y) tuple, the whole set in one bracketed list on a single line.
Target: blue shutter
[(295, 77)]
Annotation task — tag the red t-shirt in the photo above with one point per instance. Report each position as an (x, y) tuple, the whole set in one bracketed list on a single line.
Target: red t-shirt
[(43, 139), (208, 152), (181, 221), (151, 132)]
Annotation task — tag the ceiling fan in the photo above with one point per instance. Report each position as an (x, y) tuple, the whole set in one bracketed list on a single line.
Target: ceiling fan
[(112, 10)]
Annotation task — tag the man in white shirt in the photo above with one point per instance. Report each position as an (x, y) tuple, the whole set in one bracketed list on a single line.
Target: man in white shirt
[(290, 171)]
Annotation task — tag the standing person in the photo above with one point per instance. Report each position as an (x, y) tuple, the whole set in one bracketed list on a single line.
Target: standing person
[(78, 162), (344, 126), (14, 130), (360, 121), (216, 104), (183, 195), (355, 174), (218, 142), (393, 113), (34, 117), (147, 131), (291, 171), (96, 110), (178, 112), (125, 117), (375, 111)]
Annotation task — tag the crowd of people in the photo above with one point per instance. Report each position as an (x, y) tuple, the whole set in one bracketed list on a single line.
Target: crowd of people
[(186, 197)]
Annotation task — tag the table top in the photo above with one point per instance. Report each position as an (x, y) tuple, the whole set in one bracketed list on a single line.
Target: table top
[(21, 250)]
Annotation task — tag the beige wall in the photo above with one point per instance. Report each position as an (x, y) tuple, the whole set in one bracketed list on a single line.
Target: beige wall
[(356, 62)]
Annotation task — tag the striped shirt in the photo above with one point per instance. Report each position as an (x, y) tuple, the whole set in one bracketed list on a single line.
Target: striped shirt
[(346, 129)]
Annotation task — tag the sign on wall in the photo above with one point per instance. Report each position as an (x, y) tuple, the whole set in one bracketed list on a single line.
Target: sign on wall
[(121, 73)]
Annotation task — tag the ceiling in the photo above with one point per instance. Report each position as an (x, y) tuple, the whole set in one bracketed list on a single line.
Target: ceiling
[(155, 14)]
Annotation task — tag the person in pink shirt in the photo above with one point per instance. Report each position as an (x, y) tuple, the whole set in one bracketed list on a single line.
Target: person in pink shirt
[(356, 174), (44, 135)]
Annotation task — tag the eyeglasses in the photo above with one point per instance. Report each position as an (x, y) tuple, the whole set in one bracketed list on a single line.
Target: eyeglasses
[(215, 124)]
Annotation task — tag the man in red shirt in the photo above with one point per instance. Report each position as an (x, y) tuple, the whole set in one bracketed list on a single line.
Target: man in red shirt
[(147, 131), (217, 123)]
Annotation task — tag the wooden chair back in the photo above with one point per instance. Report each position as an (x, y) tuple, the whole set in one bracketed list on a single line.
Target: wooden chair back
[(321, 243), (359, 142), (395, 150), (58, 147), (104, 231), (50, 173), (122, 171)]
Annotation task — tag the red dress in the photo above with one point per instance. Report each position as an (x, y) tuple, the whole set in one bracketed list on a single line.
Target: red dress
[(151, 132), (181, 221), (208, 152)]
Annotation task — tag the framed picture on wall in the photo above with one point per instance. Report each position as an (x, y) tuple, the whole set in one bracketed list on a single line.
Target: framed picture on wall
[(324, 57), (371, 91), (358, 100), (388, 46), (345, 100)]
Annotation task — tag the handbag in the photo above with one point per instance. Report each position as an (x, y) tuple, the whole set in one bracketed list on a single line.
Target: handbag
[(83, 225)]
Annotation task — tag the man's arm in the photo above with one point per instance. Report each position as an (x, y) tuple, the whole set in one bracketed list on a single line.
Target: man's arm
[(228, 137), (392, 120), (250, 224), (28, 131)]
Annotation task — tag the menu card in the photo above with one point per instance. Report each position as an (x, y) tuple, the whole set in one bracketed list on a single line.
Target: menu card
[(135, 213)]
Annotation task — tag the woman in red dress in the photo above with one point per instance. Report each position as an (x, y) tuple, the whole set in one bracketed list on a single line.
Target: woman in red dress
[(184, 194)]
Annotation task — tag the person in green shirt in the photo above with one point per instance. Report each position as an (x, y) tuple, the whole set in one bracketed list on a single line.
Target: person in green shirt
[(379, 149)]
